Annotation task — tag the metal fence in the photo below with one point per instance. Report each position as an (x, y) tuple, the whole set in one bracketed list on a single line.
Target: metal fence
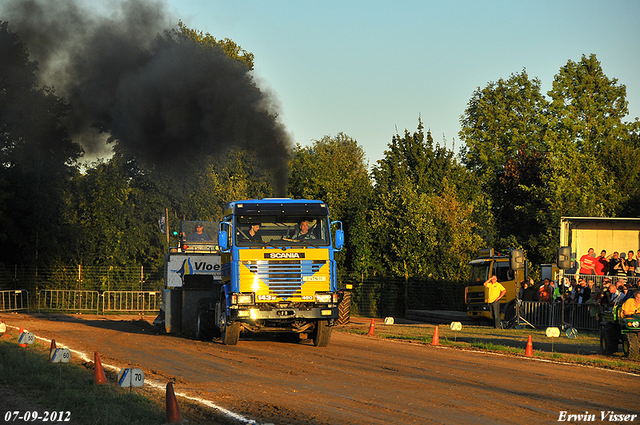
[(382, 296), (579, 316), (94, 302), (69, 300), (14, 300), (131, 301), (81, 278)]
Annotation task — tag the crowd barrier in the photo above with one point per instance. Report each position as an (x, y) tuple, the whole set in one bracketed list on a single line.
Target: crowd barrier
[(131, 301), (95, 302), (598, 280), (14, 300), (542, 314)]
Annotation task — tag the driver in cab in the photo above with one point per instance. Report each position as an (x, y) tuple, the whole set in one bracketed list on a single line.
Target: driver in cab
[(304, 232)]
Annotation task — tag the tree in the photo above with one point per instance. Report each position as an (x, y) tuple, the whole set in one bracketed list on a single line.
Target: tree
[(116, 224), (590, 139), (236, 177), (498, 121), (228, 46), (421, 225), (504, 129), (333, 169), (540, 160), (37, 158), (424, 163), (587, 107), (621, 160)]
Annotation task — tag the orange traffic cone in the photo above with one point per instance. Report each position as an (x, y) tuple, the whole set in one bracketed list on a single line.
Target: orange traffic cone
[(173, 410), (52, 350), (20, 332), (98, 373), (372, 328), (436, 336), (529, 351)]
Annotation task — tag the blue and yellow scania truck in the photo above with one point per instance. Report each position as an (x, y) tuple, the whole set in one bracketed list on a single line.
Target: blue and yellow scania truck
[(278, 270)]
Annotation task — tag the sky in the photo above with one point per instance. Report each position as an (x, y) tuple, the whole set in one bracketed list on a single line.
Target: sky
[(371, 69)]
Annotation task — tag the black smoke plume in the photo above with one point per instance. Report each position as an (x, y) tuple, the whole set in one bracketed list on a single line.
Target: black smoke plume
[(162, 98)]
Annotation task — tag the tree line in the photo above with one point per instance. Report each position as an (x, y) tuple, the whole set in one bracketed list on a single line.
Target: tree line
[(423, 210)]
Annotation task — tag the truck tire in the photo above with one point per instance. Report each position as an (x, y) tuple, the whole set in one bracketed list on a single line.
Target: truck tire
[(344, 308), (608, 340), (322, 333), (229, 333), (204, 321), (630, 345), (202, 329)]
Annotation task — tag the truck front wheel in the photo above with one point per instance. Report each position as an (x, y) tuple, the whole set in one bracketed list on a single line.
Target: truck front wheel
[(229, 332), (630, 345), (322, 333)]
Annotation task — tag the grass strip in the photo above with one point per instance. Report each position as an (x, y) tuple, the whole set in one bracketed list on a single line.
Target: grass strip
[(585, 349), (70, 388)]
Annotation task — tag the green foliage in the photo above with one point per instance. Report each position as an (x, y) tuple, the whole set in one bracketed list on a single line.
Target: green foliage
[(228, 46), (421, 212), (538, 160), (505, 133), (587, 107), (498, 121), (334, 170), (37, 158), (419, 223)]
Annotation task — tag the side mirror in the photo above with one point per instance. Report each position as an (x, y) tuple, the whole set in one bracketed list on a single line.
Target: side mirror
[(223, 239), (339, 239), (516, 259), (564, 258)]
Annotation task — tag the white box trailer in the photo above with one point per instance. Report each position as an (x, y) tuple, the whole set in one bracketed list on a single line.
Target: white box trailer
[(610, 234)]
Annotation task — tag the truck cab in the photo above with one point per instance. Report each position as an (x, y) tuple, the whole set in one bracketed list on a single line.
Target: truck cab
[(278, 269), (488, 263)]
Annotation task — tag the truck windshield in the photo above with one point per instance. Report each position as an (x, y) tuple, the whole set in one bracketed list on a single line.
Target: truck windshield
[(479, 273), (281, 231), (482, 270), (199, 231)]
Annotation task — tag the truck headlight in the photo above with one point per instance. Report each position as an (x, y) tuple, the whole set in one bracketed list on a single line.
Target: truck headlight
[(242, 299), (323, 298), (633, 324)]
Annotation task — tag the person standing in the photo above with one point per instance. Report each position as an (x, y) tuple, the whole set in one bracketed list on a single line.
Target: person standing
[(614, 264), (495, 292), (588, 263), (631, 264), (545, 292), (602, 263)]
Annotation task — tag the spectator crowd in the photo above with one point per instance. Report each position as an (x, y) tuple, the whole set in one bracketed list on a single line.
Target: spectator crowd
[(617, 277)]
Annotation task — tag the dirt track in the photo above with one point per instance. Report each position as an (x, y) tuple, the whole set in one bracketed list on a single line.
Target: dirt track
[(356, 380)]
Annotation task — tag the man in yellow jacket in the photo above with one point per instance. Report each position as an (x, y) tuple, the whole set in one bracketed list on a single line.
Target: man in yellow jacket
[(631, 306), (495, 292)]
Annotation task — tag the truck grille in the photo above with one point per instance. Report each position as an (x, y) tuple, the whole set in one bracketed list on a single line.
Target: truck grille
[(475, 297), (284, 277)]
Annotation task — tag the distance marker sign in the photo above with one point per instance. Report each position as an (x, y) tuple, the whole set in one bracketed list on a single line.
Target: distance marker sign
[(26, 338), (61, 355), (131, 377)]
